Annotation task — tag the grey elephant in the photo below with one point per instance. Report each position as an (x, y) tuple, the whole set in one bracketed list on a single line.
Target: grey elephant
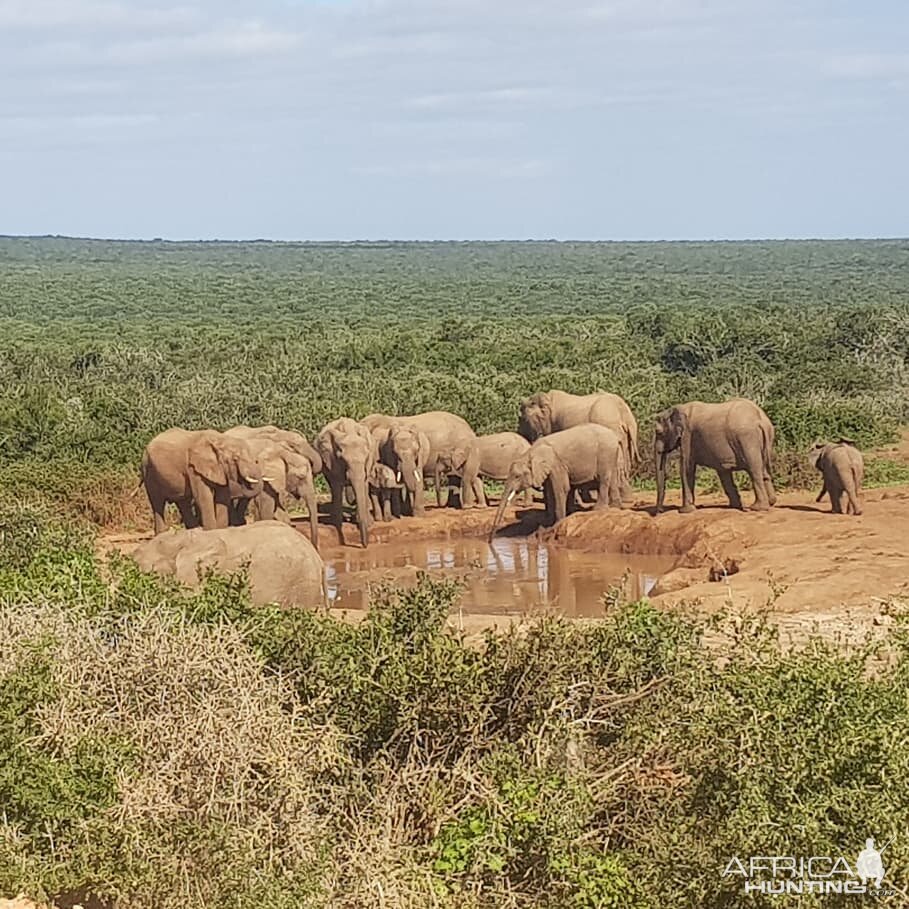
[(349, 455), (584, 456), (405, 449), (201, 472), (452, 447), (384, 492), (497, 452), (551, 411), (282, 566), (295, 441), (289, 475), (843, 468), (732, 435)]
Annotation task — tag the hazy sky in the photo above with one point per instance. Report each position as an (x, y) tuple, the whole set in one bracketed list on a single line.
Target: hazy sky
[(317, 119)]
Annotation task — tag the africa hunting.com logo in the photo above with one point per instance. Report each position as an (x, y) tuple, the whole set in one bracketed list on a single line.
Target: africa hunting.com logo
[(775, 875)]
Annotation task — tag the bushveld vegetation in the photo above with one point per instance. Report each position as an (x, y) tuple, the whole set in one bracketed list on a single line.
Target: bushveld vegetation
[(166, 749), (106, 343), (160, 748)]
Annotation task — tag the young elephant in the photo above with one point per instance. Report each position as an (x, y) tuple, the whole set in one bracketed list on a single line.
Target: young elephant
[(583, 456), (289, 474), (734, 435), (405, 449), (497, 453), (200, 472), (843, 468), (384, 492)]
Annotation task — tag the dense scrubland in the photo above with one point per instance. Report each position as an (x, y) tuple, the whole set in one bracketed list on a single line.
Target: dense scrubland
[(166, 749), (105, 344)]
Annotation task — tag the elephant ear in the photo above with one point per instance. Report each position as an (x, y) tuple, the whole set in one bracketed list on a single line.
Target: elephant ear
[(846, 442), (815, 454), (273, 461), (542, 460), (298, 474), (209, 461)]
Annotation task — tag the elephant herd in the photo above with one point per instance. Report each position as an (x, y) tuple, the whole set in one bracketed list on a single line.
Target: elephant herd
[(566, 445)]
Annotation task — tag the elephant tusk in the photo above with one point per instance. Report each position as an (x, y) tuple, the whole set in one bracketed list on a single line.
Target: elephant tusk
[(398, 477), (419, 475), (511, 495)]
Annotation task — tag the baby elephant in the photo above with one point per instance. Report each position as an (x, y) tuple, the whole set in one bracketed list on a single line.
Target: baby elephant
[(843, 468), (385, 493)]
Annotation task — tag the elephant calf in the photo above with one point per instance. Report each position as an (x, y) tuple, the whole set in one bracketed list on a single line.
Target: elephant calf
[(843, 468), (384, 492)]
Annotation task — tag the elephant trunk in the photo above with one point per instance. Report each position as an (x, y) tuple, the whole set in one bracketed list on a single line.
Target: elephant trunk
[(361, 496), (309, 497), (659, 459), (508, 494)]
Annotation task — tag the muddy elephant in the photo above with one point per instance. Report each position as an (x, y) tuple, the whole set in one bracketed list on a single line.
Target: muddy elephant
[(349, 455), (452, 448), (384, 492), (497, 452), (843, 468), (405, 449), (295, 441), (584, 456), (201, 472), (281, 564), (289, 475), (733, 435), (551, 411)]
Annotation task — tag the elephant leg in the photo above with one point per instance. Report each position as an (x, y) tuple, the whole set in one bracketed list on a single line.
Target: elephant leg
[(267, 505), (688, 470), (836, 498), (561, 490), (337, 493), (755, 468), (375, 507), (188, 514), (606, 493), (771, 489), (441, 498), (158, 506), (548, 503), (387, 510), (210, 511), (855, 506), (238, 510), (729, 487), (472, 493)]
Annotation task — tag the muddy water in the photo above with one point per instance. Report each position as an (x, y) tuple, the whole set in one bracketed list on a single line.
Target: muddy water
[(511, 575)]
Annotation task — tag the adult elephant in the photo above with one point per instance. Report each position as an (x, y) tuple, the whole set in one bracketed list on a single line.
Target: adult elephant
[(551, 411), (200, 472), (584, 456), (497, 453), (349, 455), (405, 449), (733, 435), (295, 441), (289, 474), (452, 447), (843, 468)]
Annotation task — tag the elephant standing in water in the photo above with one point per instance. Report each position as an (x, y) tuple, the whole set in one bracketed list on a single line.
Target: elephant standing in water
[(452, 447), (201, 472), (843, 468), (584, 456), (551, 411), (289, 474), (734, 435), (405, 449), (349, 455)]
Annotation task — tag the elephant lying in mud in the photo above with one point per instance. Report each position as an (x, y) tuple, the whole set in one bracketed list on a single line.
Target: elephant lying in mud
[(843, 468), (289, 475), (201, 472), (349, 456), (405, 449), (734, 435), (551, 411), (589, 455), (283, 567)]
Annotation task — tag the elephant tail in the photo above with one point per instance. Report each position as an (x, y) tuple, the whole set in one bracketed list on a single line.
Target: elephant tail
[(632, 444), (767, 435), (137, 487)]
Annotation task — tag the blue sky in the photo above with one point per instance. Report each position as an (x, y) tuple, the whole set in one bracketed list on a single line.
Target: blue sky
[(349, 119)]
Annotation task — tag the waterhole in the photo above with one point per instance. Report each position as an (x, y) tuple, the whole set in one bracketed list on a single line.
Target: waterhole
[(510, 575)]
